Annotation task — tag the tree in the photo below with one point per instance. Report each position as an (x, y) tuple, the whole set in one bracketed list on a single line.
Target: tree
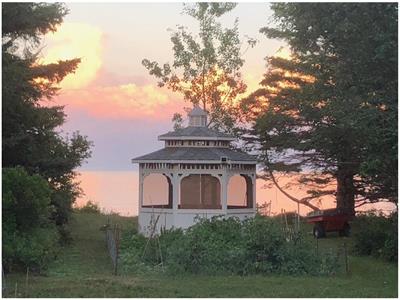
[(332, 108), (206, 68), (177, 120), (30, 135), (28, 235)]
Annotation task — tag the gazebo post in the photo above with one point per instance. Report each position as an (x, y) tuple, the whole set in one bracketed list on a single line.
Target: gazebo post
[(224, 192), (141, 181), (253, 183), (175, 197)]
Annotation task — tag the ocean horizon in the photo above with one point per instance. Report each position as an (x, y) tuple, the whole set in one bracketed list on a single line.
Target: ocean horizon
[(117, 191)]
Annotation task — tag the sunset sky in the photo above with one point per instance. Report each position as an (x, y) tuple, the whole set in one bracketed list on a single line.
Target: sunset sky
[(118, 105), (111, 98)]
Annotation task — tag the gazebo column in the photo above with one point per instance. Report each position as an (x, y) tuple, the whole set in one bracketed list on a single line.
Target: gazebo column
[(175, 196), (224, 191), (141, 180), (253, 181)]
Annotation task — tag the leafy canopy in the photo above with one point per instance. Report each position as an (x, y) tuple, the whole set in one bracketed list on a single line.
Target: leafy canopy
[(31, 136), (331, 110), (206, 67)]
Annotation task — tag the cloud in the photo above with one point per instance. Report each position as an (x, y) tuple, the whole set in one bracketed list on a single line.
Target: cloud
[(75, 40), (126, 101)]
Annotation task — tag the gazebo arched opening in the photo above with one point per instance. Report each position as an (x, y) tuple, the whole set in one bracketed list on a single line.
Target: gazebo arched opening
[(157, 191), (240, 192), (200, 191)]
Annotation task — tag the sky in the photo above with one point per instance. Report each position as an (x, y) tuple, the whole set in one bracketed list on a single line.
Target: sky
[(111, 98)]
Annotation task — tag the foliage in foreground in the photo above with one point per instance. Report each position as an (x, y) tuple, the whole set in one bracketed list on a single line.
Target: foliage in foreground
[(29, 237), (227, 246), (377, 236), (31, 137)]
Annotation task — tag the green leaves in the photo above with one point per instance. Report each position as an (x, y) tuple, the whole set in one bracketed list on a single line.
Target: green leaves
[(30, 21), (227, 246), (206, 65), (28, 235), (323, 105), (31, 136)]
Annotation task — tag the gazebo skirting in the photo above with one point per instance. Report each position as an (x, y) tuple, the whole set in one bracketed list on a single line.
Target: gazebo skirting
[(183, 218)]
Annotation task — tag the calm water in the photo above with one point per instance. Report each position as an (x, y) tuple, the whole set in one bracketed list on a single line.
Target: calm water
[(118, 192)]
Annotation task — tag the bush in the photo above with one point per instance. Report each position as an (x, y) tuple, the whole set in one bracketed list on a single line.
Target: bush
[(29, 237), (227, 246), (376, 235), (90, 207)]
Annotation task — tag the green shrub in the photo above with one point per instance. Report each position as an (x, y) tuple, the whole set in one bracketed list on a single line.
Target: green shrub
[(376, 235), (90, 207), (227, 246), (210, 246), (29, 237)]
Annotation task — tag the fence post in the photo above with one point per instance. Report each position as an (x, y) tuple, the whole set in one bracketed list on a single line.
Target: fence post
[(26, 282), (346, 261), (116, 240), (3, 279), (113, 241)]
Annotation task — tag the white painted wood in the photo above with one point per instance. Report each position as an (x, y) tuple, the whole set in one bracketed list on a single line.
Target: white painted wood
[(177, 161), (176, 170), (224, 191), (203, 138)]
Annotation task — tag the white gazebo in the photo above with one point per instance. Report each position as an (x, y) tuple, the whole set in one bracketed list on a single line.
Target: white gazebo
[(195, 174)]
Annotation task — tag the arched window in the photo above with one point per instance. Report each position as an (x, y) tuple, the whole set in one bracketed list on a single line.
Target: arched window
[(157, 191), (240, 192), (200, 191)]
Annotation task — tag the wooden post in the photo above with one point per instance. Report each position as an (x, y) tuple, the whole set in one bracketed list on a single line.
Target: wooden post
[(116, 242), (26, 282), (346, 261), (298, 217), (3, 281)]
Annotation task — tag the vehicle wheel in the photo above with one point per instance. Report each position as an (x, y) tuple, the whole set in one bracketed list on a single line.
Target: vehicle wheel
[(345, 231), (318, 231)]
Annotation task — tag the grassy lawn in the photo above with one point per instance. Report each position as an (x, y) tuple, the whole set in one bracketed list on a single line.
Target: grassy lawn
[(84, 269)]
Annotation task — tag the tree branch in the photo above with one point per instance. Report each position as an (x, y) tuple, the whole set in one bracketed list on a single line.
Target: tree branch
[(299, 201)]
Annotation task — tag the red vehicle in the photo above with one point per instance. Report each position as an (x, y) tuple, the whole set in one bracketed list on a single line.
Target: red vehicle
[(329, 220)]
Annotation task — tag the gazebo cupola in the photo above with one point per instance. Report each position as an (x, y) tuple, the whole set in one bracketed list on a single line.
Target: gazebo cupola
[(195, 174), (197, 117)]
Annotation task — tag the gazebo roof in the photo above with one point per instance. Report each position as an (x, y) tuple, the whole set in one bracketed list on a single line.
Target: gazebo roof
[(195, 132), (190, 154), (197, 111)]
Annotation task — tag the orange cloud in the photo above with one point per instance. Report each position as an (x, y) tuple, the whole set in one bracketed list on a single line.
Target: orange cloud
[(75, 40), (123, 101)]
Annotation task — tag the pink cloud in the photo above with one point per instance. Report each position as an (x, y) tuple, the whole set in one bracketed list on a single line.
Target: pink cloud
[(123, 101)]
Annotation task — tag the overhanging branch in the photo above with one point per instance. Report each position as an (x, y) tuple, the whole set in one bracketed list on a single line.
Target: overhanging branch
[(303, 201)]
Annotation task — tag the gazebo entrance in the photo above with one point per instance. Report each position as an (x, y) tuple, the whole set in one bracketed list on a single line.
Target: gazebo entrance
[(200, 191)]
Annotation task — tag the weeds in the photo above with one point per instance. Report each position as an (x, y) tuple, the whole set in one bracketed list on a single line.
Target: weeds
[(227, 246)]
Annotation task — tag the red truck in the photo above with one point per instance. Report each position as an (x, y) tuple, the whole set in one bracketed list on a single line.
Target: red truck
[(329, 220)]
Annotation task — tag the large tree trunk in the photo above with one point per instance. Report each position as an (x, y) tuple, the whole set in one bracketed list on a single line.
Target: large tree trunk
[(345, 191)]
